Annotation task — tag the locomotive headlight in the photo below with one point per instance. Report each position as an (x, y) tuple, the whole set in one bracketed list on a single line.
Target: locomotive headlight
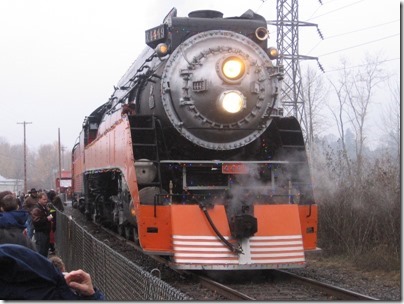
[(233, 68), (232, 101)]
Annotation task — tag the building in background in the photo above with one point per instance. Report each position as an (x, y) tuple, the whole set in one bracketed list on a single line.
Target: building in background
[(64, 185), (14, 185)]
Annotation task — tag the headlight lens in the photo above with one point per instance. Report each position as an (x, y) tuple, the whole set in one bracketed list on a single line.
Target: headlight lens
[(233, 68), (232, 101)]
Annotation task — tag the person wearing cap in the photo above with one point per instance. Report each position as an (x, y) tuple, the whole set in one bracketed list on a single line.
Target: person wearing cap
[(28, 205)]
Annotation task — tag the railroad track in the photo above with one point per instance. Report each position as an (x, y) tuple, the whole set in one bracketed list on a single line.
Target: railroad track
[(331, 292), (334, 291), (227, 292)]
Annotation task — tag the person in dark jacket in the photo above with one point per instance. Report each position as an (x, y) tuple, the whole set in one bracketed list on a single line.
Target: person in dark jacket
[(56, 200), (55, 203), (41, 219), (13, 219), (27, 275), (12, 223), (28, 205), (52, 211)]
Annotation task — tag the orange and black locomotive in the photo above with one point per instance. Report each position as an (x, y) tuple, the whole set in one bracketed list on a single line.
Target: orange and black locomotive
[(191, 155)]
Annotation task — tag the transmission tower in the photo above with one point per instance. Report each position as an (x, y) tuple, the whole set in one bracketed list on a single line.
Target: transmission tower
[(288, 24)]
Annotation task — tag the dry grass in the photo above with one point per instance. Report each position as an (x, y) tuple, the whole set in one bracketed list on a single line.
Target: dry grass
[(347, 265)]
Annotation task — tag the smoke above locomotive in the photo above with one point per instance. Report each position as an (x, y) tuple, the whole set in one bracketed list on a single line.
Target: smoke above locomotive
[(210, 79)]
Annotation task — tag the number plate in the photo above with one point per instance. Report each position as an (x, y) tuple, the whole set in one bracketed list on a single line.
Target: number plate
[(234, 169)]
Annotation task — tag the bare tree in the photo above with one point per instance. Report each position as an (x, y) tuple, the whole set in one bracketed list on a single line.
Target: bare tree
[(364, 82), (391, 121), (314, 93), (42, 164), (47, 165), (354, 90), (338, 113), (361, 215)]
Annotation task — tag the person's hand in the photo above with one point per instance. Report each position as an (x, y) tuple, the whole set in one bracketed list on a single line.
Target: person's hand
[(80, 281)]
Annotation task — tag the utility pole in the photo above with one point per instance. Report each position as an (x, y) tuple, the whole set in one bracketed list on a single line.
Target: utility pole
[(60, 164), (25, 154), (63, 148)]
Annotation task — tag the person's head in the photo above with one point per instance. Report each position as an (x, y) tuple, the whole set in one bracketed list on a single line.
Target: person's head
[(4, 193), (9, 203), (58, 263), (42, 198), (33, 192), (51, 194), (16, 236)]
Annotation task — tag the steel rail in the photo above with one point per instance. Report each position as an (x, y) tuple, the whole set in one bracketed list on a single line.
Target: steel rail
[(223, 290), (335, 291)]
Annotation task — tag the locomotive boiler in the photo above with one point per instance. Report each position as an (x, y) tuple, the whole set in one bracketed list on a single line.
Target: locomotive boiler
[(191, 156)]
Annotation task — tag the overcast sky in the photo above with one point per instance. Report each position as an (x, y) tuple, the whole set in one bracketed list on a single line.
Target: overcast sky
[(60, 59)]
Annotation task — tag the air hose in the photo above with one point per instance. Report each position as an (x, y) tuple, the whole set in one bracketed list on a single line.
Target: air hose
[(233, 248)]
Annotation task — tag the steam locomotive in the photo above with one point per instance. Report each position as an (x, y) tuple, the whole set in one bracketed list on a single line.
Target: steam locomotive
[(191, 156)]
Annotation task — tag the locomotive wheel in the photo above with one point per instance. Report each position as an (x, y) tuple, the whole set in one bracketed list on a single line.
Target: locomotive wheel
[(81, 206), (127, 232), (97, 218), (97, 205), (120, 230), (135, 235)]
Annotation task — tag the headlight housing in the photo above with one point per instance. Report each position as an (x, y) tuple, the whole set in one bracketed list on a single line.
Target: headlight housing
[(273, 53), (232, 69)]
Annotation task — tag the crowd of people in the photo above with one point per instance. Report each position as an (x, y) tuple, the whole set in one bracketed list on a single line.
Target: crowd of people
[(30, 268)]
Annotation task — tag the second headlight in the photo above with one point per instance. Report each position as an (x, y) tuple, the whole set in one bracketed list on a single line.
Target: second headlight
[(232, 101)]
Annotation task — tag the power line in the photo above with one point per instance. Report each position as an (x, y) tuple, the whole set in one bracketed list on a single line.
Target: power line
[(322, 5), (336, 10), (363, 29), (358, 45), (262, 3), (347, 33), (351, 67), (360, 65)]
